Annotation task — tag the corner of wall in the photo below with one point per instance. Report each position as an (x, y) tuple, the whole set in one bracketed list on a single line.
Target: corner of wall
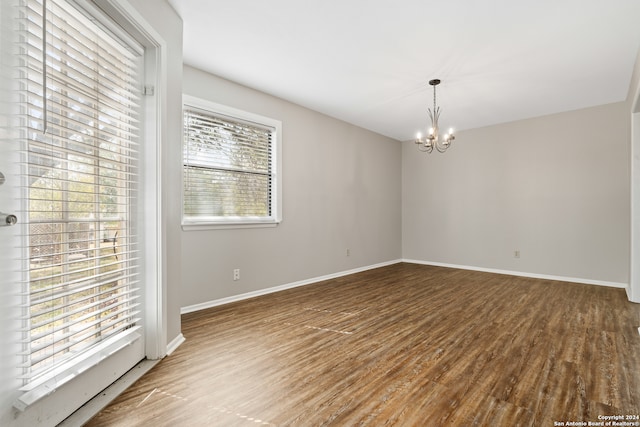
[(633, 100)]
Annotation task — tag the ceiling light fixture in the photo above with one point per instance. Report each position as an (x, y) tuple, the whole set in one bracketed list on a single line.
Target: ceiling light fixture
[(427, 143)]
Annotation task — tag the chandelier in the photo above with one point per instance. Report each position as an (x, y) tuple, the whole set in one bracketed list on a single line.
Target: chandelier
[(433, 139)]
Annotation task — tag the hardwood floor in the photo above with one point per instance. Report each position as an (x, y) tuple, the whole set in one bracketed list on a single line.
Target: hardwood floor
[(400, 345)]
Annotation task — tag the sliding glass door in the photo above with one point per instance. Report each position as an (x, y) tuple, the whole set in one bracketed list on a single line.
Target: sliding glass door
[(74, 274)]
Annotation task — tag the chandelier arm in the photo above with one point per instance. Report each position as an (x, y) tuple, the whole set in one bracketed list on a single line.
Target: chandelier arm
[(424, 148), (441, 148)]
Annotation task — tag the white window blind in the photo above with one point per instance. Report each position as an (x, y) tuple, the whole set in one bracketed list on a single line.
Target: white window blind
[(230, 173), (80, 125)]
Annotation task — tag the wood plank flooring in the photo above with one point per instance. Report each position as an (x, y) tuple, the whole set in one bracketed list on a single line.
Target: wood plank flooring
[(403, 345)]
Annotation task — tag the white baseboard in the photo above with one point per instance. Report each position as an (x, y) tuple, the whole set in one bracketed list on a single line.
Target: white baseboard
[(240, 297), (521, 274), (234, 298), (175, 343), (628, 289)]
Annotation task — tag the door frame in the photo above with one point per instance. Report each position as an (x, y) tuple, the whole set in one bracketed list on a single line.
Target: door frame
[(55, 407), (633, 290)]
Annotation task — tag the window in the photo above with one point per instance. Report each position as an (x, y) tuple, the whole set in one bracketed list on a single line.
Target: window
[(231, 164), (79, 101)]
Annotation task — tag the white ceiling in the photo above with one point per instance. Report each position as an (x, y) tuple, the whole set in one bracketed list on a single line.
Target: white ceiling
[(368, 62)]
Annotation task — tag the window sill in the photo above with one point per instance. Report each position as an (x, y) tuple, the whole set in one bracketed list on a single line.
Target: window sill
[(66, 372), (196, 226)]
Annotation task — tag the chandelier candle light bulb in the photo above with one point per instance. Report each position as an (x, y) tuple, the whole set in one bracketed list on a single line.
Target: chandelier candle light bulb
[(432, 140)]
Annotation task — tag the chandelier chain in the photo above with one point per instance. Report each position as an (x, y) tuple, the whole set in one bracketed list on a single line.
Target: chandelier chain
[(434, 98)]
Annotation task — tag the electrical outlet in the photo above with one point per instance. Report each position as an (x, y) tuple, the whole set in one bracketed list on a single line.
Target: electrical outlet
[(236, 274), (348, 252), (516, 254)]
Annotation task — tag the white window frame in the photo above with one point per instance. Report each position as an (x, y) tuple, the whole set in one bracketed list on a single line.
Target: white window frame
[(190, 223)]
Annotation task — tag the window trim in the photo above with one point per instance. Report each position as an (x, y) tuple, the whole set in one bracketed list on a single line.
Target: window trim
[(213, 223)]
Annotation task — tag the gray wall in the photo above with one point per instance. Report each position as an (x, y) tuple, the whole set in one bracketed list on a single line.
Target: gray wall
[(341, 188), (556, 188)]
